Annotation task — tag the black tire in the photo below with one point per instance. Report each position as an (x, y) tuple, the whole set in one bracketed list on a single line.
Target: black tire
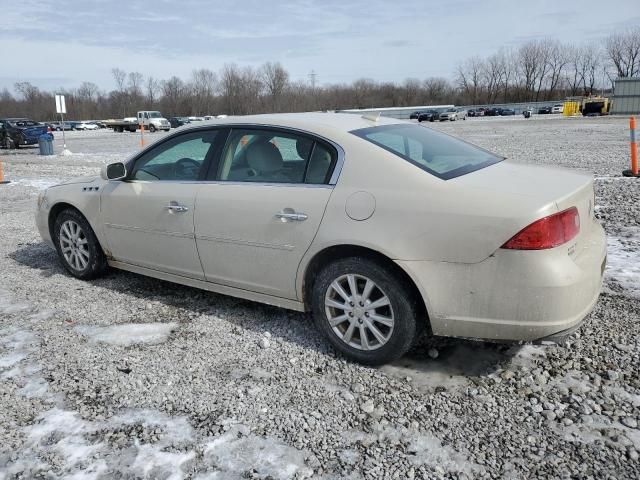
[(405, 328), (152, 128), (96, 264)]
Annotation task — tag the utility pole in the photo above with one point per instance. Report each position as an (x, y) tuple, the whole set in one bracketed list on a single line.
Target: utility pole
[(312, 79)]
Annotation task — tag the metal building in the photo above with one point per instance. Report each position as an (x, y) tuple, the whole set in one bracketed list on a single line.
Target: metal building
[(626, 96)]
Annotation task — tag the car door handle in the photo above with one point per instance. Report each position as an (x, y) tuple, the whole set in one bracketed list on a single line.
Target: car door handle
[(175, 207), (287, 216)]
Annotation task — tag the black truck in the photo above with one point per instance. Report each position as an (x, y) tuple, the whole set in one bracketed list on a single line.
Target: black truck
[(15, 132)]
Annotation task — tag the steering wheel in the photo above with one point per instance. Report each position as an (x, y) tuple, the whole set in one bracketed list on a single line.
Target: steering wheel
[(186, 168)]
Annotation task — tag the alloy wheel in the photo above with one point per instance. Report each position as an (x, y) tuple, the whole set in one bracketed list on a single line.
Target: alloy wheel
[(74, 245), (359, 312)]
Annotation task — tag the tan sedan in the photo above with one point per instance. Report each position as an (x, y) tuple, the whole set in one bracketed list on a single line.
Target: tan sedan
[(384, 229)]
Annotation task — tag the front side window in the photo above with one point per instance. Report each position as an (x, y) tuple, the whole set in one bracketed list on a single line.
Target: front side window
[(179, 158), (435, 152), (269, 156)]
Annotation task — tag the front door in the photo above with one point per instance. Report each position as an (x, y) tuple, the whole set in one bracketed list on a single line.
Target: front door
[(258, 217), (148, 218)]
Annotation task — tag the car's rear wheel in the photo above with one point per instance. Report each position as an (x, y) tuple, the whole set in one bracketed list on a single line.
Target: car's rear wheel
[(364, 310), (77, 245), (152, 128)]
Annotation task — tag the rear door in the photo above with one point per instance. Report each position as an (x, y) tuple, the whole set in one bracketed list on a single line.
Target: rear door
[(148, 218), (259, 215)]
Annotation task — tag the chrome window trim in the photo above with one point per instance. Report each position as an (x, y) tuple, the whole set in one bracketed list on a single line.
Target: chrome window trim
[(223, 182), (337, 169)]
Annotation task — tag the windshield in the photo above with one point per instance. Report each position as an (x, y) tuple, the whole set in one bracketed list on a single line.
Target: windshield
[(434, 152), (155, 115)]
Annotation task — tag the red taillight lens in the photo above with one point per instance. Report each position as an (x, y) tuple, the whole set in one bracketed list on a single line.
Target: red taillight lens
[(548, 232)]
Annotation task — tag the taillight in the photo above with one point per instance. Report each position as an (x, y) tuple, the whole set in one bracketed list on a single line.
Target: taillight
[(548, 232)]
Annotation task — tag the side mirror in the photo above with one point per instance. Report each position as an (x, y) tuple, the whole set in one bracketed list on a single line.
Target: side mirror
[(114, 171)]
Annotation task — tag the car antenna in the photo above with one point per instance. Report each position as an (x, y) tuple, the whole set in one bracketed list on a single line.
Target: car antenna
[(374, 117)]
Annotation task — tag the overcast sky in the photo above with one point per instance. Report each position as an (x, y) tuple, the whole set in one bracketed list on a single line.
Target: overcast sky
[(63, 42)]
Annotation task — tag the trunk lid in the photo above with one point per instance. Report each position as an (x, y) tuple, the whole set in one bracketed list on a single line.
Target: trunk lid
[(530, 192)]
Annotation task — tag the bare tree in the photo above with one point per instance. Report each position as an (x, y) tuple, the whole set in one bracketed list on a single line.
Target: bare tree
[(493, 76), (152, 87), (574, 72), (436, 89), (469, 78), (529, 66), (120, 77), (623, 50), (203, 84), (173, 95), (557, 60), (276, 80)]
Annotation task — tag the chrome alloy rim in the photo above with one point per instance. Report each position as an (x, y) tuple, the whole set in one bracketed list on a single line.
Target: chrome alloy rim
[(74, 245), (359, 312)]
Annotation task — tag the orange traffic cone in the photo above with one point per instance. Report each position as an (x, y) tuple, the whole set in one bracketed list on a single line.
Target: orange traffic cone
[(2, 180)]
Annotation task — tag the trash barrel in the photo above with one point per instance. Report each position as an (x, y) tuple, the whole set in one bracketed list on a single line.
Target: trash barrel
[(45, 142), (526, 113)]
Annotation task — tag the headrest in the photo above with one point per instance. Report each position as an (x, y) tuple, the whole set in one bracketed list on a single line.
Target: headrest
[(303, 146), (264, 157)]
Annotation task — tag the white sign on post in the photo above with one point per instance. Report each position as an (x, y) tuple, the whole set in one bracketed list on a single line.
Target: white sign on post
[(61, 108), (60, 105)]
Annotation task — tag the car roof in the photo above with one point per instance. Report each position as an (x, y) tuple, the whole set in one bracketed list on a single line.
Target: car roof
[(314, 122)]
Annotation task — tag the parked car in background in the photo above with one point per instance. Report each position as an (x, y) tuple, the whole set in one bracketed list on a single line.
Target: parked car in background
[(492, 112), (176, 122), (86, 126), (428, 116), (544, 110), (557, 108), (505, 112), (16, 132), (415, 115), (452, 114), (534, 271)]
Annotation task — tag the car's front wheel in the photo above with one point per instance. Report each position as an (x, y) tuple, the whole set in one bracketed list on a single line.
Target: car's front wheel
[(152, 128), (77, 245), (364, 310)]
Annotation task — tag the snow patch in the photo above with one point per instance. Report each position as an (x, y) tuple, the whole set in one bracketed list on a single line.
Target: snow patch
[(9, 306), (598, 428), (237, 452), (423, 449), (129, 333), (623, 261), (39, 183), (527, 356)]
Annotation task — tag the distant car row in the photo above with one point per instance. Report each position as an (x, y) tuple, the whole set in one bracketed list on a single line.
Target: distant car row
[(491, 112), (451, 114), (73, 125), (557, 108)]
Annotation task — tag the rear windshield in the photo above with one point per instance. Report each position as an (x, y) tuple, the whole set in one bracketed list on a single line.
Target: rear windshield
[(435, 152)]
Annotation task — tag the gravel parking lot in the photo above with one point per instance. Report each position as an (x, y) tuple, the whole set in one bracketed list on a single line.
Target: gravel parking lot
[(131, 377)]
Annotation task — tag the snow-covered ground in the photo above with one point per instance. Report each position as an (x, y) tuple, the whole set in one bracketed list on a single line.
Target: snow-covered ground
[(130, 377)]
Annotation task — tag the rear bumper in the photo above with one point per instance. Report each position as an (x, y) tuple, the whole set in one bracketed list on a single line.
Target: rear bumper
[(513, 295)]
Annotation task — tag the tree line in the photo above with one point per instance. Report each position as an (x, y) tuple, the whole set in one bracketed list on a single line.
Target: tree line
[(538, 70)]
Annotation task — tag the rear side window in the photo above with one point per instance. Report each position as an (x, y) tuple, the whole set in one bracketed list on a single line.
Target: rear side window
[(274, 156), (437, 153)]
